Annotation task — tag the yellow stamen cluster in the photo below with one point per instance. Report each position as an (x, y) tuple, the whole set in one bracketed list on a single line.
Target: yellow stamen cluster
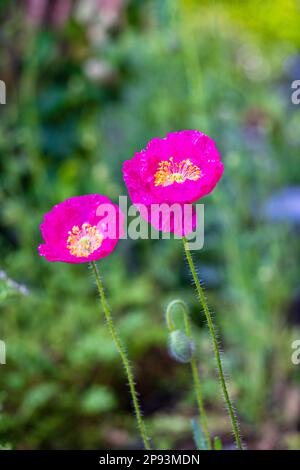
[(170, 172), (84, 241)]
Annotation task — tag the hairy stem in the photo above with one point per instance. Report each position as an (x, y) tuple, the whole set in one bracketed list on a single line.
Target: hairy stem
[(124, 358), (211, 327), (195, 374)]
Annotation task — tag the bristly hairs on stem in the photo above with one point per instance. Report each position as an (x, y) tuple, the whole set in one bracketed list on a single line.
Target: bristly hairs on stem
[(182, 349), (230, 409), (122, 352)]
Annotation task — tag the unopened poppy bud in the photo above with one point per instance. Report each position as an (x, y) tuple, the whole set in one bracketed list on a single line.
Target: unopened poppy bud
[(181, 346)]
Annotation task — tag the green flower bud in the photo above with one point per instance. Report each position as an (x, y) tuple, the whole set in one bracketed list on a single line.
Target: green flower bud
[(181, 346)]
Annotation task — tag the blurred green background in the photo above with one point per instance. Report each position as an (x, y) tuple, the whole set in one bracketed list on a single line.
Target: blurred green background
[(88, 83)]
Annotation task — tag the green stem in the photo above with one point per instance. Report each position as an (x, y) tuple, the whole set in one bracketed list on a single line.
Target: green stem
[(195, 374), (124, 358), (232, 416), (200, 402)]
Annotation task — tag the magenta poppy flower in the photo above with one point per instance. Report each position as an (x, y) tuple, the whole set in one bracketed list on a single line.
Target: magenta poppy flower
[(181, 168), (81, 229)]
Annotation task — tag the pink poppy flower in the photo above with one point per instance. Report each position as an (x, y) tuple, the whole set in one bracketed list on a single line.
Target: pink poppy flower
[(81, 229), (180, 168)]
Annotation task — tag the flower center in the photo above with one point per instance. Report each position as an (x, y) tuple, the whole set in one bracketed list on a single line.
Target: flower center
[(84, 241), (170, 172)]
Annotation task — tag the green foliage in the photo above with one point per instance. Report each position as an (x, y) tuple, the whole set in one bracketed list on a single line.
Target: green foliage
[(98, 399), (217, 443)]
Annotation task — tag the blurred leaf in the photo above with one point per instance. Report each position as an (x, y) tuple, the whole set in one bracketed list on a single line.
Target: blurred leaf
[(38, 396), (217, 443), (198, 435), (98, 399)]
